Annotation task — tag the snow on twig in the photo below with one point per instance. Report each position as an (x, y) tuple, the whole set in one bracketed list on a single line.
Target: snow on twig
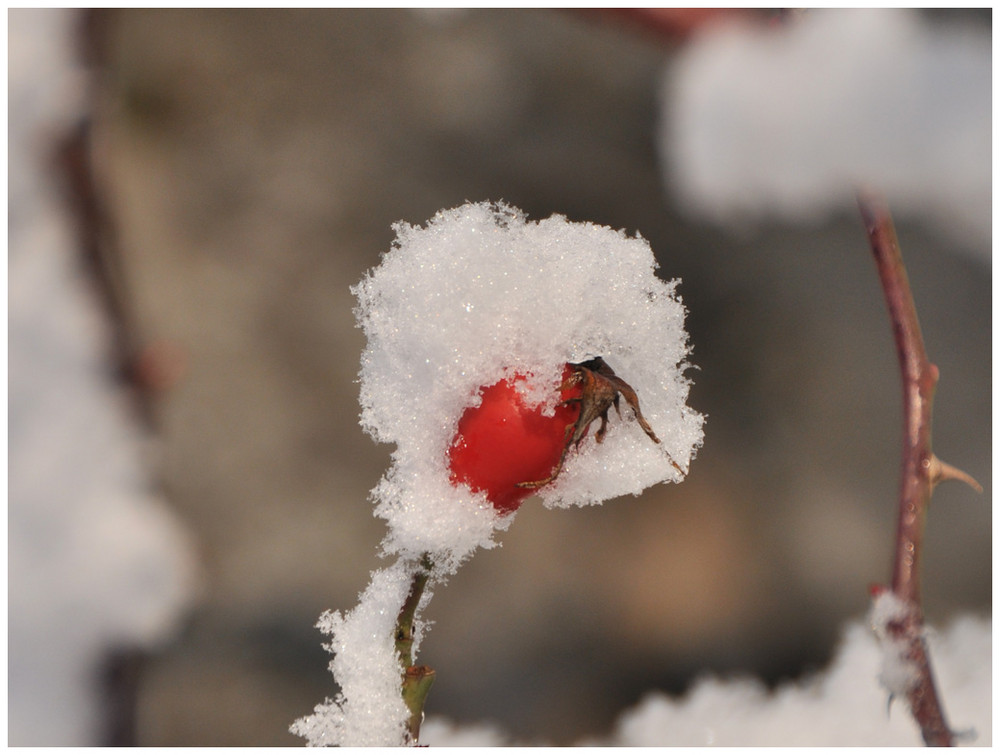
[(477, 296)]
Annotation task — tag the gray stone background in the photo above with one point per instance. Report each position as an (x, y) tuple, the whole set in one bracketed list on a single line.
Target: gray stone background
[(255, 161)]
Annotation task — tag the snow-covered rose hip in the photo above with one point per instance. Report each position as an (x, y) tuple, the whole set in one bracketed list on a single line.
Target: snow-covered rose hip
[(507, 448), (480, 295), (477, 325), (504, 441)]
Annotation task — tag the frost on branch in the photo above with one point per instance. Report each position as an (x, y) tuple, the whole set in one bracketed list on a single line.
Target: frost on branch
[(479, 294)]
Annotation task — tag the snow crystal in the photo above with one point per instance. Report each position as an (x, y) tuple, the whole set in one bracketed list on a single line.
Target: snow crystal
[(480, 293), (786, 122)]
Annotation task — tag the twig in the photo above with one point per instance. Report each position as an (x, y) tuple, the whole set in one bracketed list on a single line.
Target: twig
[(921, 470), (417, 680)]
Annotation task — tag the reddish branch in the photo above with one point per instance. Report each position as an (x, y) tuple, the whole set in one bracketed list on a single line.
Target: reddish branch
[(680, 25), (921, 469)]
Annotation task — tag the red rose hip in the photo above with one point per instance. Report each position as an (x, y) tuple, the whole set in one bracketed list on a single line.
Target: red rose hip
[(503, 443), (507, 449)]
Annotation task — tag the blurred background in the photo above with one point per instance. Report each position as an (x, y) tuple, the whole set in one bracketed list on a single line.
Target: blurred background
[(250, 165)]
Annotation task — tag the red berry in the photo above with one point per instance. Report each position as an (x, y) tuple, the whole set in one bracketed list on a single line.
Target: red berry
[(503, 442)]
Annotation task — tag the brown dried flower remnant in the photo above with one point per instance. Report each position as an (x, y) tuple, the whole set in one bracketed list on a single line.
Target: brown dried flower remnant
[(601, 389)]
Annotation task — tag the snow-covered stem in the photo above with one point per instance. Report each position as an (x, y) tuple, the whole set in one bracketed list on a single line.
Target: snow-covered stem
[(417, 680), (477, 299), (921, 470)]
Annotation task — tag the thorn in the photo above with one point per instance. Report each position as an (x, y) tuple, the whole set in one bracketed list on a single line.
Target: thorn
[(939, 471), (888, 705)]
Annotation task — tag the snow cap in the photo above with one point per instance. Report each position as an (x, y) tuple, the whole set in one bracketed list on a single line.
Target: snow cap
[(480, 293)]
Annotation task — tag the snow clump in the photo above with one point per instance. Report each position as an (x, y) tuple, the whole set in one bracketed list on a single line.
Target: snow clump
[(785, 123), (480, 293), (369, 710), (839, 707), (899, 673)]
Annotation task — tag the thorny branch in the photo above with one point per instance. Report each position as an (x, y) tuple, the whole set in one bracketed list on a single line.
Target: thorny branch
[(921, 469)]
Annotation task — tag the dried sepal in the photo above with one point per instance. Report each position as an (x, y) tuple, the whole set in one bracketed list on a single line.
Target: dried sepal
[(600, 389)]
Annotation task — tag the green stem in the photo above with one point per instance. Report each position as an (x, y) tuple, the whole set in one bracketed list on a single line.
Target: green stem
[(417, 680)]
